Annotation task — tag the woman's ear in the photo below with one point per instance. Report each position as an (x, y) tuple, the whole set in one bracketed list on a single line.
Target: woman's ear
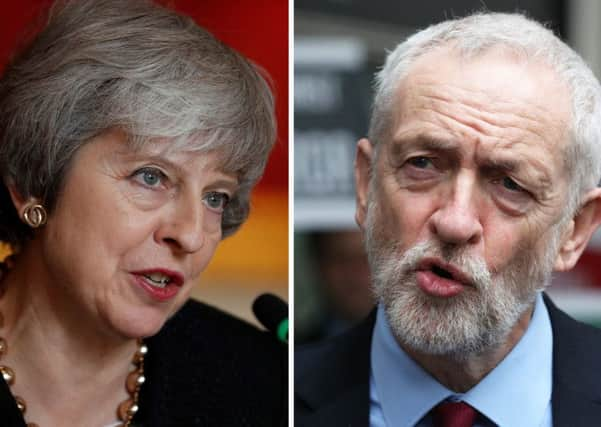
[(579, 231), (18, 200)]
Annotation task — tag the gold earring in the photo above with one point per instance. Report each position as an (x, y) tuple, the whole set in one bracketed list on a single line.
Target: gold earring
[(35, 215)]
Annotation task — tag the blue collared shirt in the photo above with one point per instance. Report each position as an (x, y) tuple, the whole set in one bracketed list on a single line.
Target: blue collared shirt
[(516, 393)]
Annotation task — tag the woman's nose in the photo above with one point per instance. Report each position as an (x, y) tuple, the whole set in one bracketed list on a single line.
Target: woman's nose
[(182, 226)]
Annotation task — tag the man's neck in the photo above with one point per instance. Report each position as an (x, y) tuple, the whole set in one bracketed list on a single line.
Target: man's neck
[(461, 374)]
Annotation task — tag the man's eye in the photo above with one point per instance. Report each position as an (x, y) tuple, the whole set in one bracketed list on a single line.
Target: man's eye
[(216, 201), (511, 185), (420, 162), (150, 177)]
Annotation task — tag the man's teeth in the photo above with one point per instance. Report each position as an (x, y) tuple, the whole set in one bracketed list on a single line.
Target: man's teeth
[(157, 279)]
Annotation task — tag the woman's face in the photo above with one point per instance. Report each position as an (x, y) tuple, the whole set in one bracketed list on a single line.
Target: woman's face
[(133, 230)]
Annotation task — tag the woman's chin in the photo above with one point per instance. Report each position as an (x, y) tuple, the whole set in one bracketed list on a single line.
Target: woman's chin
[(139, 325)]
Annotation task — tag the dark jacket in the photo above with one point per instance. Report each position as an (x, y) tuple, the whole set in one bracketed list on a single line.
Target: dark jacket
[(204, 368), (332, 378)]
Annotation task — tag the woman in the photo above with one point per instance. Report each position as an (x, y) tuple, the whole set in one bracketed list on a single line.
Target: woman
[(130, 139)]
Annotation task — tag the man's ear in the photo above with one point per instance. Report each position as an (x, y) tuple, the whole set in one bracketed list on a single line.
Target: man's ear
[(363, 159), (579, 231)]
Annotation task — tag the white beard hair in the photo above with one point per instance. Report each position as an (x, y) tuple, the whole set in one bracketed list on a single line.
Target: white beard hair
[(471, 323)]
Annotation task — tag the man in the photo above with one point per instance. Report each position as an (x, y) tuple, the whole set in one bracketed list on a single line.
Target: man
[(479, 178)]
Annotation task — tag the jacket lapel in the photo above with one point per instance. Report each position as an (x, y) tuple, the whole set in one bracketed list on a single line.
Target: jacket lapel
[(576, 398), (348, 409), (343, 398)]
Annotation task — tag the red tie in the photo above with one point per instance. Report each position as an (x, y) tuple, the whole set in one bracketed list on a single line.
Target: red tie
[(454, 414)]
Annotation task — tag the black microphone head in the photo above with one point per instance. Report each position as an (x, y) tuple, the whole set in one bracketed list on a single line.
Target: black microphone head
[(270, 310)]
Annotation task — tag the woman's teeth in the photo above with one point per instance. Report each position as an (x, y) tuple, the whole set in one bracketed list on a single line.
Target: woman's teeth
[(157, 279)]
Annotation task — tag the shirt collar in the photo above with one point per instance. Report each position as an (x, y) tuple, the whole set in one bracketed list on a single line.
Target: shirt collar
[(516, 392)]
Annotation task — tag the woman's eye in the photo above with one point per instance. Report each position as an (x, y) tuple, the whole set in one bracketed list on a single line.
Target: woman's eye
[(216, 201), (150, 177), (420, 162)]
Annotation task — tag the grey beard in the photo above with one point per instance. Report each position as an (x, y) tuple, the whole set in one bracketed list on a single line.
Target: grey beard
[(477, 320)]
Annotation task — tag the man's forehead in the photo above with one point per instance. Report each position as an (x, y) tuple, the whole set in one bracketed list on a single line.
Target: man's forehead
[(496, 93), (447, 64)]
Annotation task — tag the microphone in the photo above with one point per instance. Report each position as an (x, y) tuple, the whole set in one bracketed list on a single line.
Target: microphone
[(272, 312)]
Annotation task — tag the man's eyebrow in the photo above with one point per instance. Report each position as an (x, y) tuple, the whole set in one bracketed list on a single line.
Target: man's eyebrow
[(424, 142), (537, 171), (507, 165), (513, 164)]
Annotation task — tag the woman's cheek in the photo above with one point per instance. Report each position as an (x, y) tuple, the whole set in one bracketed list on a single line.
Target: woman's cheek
[(143, 198)]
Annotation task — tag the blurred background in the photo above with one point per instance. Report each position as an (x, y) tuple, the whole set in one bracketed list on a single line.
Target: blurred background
[(338, 45), (255, 259)]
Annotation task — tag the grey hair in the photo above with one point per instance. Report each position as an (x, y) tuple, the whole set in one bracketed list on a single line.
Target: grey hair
[(474, 35), (138, 67)]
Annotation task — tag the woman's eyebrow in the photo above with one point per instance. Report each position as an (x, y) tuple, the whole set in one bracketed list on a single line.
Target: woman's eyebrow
[(129, 154), (225, 182)]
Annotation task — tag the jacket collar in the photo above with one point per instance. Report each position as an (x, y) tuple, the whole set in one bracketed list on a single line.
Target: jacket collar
[(336, 387), (576, 398)]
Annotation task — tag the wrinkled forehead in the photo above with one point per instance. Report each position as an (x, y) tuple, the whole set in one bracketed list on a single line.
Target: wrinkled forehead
[(498, 93), (497, 74)]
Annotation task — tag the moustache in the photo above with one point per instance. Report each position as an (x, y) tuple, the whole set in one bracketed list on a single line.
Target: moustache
[(469, 269)]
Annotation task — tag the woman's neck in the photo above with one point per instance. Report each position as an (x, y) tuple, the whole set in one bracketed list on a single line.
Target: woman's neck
[(66, 365)]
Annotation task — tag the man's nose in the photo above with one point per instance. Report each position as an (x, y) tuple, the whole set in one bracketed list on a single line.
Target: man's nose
[(457, 219), (182, 227)]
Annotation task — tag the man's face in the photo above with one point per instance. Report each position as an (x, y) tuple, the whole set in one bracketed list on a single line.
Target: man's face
[(464, 211)]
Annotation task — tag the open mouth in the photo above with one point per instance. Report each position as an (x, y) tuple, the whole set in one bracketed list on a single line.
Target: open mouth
[(160, 278), (441, 279), (439, 271), (160, 284), (445, 271), (157, 280)]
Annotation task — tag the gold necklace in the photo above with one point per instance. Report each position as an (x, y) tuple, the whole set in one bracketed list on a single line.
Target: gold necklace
[(133, 382)]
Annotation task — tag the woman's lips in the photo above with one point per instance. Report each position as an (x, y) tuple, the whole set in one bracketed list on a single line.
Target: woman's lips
[(174, 277), (157, 290)]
